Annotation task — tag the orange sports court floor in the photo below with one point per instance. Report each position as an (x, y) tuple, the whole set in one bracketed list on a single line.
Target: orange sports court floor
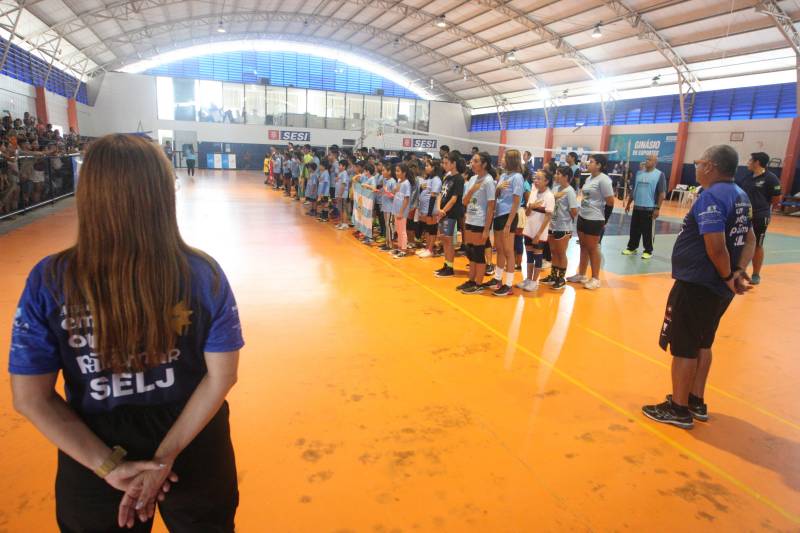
[(374, 398)]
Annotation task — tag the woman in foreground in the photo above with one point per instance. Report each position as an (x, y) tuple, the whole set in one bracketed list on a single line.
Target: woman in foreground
[(146, 332)]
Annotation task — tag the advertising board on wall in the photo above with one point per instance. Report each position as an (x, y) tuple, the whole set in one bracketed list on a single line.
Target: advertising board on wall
[(637, 147), (289, 136)]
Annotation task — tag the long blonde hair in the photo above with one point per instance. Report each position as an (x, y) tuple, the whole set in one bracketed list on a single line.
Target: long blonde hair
[(129, 268)]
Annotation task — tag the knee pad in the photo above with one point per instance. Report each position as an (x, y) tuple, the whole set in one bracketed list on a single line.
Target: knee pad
[(537, 260), (470, 252), (531, 257), (479, 253)]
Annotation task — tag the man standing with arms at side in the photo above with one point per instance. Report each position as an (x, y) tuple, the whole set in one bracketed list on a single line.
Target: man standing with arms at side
[(649, 191), (709, 264), (764, 190)]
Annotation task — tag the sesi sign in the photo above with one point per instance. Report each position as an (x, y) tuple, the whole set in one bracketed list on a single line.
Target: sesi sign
[(422, 144), (289, 136)]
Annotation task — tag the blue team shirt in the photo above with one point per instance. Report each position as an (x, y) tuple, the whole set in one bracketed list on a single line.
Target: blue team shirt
[(43, 342), (723, 207), (343, 185), (649, 184), (427, 202), (506, 198), (403, 192), (311, 186), (295, 168), (386, 200), (323, 190)]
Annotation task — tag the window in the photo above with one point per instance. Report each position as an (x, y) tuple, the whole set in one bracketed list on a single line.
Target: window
[(256, 103), (165, 98), (233, 103), (372, 111), (335, 111), (276, 106), (184, 97), (315, 109), (389, 112), (405, 113), (296, 108), (165, 135), (422, 116), (355, 111), (209, 100)]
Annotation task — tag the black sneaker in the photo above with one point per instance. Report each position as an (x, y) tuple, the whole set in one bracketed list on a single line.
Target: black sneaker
[(550, 279), (504, 290), (464, 285), (559, 284), (490, 270), (518, 268), (492, 284), (699, 410), (445, 272), (665, 413), (472, 289)]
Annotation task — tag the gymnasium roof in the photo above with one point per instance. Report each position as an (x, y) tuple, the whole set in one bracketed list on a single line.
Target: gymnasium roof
[(478, 52)]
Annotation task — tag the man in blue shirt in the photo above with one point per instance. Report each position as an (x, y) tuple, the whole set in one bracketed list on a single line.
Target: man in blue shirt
[(764, 190), (709, 260), (649, 191)]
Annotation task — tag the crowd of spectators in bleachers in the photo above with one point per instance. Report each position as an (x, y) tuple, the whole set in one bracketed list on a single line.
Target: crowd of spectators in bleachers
[(33, 162)]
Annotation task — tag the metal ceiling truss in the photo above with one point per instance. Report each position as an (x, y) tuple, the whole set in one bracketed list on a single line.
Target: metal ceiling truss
[(782, 21), (165, 29), (565, 49), (9, 21), (687, 81), (429, 18)]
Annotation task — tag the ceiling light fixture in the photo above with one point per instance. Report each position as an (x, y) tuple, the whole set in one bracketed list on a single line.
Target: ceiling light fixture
[(431, 83), (596, 33), (466, 76), (440, 22), (220, 28), (656, 79), (512, 55)]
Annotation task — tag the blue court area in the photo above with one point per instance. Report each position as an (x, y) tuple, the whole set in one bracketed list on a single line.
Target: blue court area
[(780, 248)]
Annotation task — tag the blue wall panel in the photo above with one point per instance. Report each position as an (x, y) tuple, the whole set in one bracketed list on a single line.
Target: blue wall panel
[(744, 103), (30, 69), (284, 69)]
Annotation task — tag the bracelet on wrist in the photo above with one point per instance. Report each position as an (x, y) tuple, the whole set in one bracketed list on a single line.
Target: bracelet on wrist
[(118, 453)]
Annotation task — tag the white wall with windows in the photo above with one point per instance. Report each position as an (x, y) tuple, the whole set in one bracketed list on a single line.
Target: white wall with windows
[(168, 104), (237, 103)]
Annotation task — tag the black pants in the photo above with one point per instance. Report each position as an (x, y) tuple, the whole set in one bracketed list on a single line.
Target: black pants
[(376, 212), (204, 499), (190, 167), (641, 228)]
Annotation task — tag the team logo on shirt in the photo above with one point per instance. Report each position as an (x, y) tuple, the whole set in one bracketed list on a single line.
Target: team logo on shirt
[(181, 319)]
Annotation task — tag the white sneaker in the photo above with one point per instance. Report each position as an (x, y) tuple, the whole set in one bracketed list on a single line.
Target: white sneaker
[(419, 252), (546, 265), (577, 278), (592, 284), (530, 286), (424, 254), (521, 284)]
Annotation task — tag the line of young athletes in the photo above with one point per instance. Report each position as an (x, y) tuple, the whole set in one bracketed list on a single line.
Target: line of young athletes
[(512, 210)]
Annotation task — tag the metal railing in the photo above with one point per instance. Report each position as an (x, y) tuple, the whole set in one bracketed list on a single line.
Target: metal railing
[(31, 181)]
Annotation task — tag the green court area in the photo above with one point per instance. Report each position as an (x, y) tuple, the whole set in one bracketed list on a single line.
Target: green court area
[(780, 249)]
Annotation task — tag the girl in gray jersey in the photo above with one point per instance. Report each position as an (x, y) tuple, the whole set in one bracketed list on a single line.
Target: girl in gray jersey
[(597, 204), (561, 226), (479, 200)]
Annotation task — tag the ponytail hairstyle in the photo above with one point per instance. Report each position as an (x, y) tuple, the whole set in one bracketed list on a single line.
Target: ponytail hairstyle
[(455, 157), (601, 160), (486, 159)]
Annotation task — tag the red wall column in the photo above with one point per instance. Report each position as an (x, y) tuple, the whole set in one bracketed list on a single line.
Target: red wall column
[(790, 161), (548, 146), (41, 105), (680, 153), (605, 138), (72, 115), (502, 150)]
